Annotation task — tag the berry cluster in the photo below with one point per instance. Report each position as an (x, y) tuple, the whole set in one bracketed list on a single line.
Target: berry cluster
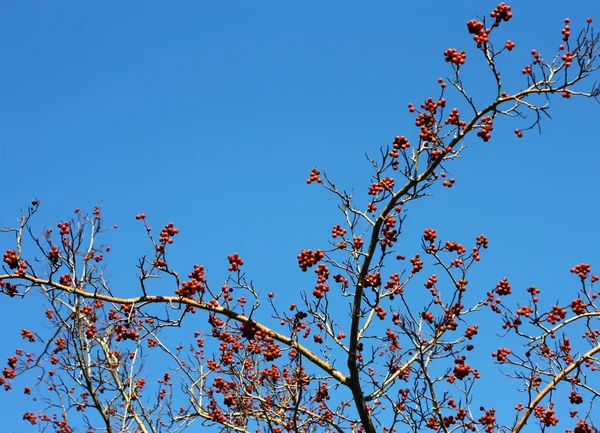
[(309, 258), (503, 287), (417, 264), (488, 419), (546, 416), (393, 284), (53, 255), (509, 45), (372, 280), (197, 283), (430, 283), (462, 369), (501, 354), (455, 246), (66, 280), (430, 235), (578, 306), (341, 280), (581, 270), (338, 230), (471, 331), (501, 13), (566, 30), (235, 261), (556, 314), (454, 119), (449, 182), (478, 29), (567, 58), (455, 57), (11, 259), (400, 143), (314, 176), (167, 233), (322, 276), (126, 332), (65, 228), (481, 241), (381, 313), (382, 185), (485, 128)]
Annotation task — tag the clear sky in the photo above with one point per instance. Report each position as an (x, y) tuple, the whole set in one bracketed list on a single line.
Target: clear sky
[(212, 114)]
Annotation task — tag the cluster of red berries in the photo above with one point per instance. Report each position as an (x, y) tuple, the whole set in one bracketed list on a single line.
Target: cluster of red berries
[(556, 314), (526, 70), (455, 57), (11, 259), (417, 264), (65, 228), (567, 58), (140, 216), (314, 176), (575, 398), (501, 13), (524, 311), (509, 45), (501, 354), (518, 133), (430, 235), (431, 106), (382, 185), (454, 119), (372, 280), (309, 258), (488, 419), (461, 369), (426, 121), (167, 233), (31, 417), (387, 230), (66, 280), (341, 280), (475, 26), (481, 34), (428, 316), (26, 333), (546, 416), (485, 128), (322, 276), (393, 284), (471, 331), (430, 283), (338, 230), (581, 270), (61, 344), (400, 143), (449, 182), (53, 254), (381, 313), (455, 246), (91, 331), (197, 283), (503, 287), (235, 261), (566, 30), (8, 288), (481, 241), (578, 306)]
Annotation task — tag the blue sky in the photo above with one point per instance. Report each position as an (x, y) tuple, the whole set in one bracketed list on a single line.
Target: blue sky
[(211, 115)]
